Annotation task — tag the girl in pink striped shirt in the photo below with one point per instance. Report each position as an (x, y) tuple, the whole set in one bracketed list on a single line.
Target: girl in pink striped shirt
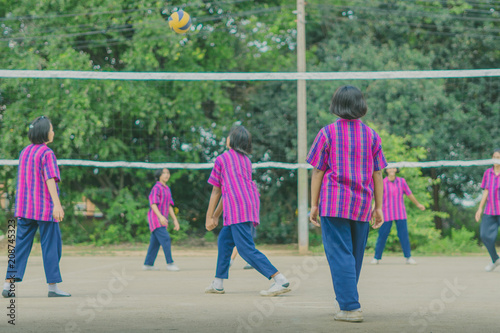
[(394, 210), (37, 206), (348, 160), (231, 177), (161, 205), (491, 217)]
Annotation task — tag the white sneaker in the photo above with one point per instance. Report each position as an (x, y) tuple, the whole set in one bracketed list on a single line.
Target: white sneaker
[(491, 267), (375, 261), (352, 316), (410, 261), (212, 290), (150, 268), (276, 289), (172, 268)]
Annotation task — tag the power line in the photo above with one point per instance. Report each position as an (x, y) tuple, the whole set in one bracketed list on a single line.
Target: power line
[(29, 17), (137, 26)]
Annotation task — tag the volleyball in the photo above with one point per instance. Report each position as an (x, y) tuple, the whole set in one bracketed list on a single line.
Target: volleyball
[(179, 22)]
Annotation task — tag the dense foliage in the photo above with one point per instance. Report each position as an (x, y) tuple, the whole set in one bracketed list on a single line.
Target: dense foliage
[(187, 121)]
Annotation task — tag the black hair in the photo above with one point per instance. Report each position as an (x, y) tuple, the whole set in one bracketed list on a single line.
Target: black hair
[(497, 150), (348, 103), (158, 173), (39, 130), (240, 140)]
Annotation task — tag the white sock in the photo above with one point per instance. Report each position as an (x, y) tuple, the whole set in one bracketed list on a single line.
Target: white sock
[(6, 286), (218, 283), (280, 279), (54, 288)]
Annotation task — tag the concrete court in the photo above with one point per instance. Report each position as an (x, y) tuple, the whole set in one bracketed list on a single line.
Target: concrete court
[(114, 294)]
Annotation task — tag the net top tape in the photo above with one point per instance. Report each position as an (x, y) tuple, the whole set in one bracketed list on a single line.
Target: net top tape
[(182, 76)]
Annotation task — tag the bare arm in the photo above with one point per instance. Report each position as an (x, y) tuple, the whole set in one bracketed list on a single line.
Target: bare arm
[(481, 205), (378, 184), (415, 201), (58, 212), (218, 210), (210, 224), (174, 218), (316, 181)]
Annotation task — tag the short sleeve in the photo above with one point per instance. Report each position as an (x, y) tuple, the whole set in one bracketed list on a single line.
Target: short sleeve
[(319, 152), (49, 167), (379, 161), (155, 196), (216, 175), (406, 188), (484, 184)]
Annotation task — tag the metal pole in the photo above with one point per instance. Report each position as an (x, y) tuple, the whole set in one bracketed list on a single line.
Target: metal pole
[(302, 188)]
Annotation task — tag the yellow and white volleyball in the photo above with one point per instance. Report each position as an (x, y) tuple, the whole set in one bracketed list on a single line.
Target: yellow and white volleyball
[(180, 22)]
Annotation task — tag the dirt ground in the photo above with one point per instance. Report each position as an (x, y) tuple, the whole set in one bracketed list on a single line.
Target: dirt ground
[(111, 293)]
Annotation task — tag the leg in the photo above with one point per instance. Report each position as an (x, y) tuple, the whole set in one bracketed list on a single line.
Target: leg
[(25, 233), (154, 246), (489, 232), (383, 233), (164, 239), (50, 239), (337, 240), (359, 232), (242, 235), (404, 238), (225, 245)]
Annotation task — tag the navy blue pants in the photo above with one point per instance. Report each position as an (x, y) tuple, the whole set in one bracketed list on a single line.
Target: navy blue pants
[(159, 236), (403, 236), (240, 235), (488, 231), (50, 239), (344, 241)]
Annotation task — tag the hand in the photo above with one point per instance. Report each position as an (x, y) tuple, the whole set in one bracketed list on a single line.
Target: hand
[(211, 223), (478, 215), (421, 207), (377, 218), (163, 220), (313, 216), (58, 213), (177, 227)]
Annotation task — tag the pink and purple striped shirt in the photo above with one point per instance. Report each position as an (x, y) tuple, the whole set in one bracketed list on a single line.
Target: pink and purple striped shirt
[(491, 182), (349, 152), (394, 205), (161, 196), (37, 164), (232, 172)]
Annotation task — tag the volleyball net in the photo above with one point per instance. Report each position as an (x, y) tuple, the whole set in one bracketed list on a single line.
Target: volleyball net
[(180, 120)]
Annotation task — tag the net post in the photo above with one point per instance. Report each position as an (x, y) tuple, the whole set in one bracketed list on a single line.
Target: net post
[(302, 186)]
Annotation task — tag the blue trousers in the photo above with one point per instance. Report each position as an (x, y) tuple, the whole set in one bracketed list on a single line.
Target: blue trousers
[(159, 236), (240, 235), (50, 238), (488, 232), (344, 241), (403, 236)]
